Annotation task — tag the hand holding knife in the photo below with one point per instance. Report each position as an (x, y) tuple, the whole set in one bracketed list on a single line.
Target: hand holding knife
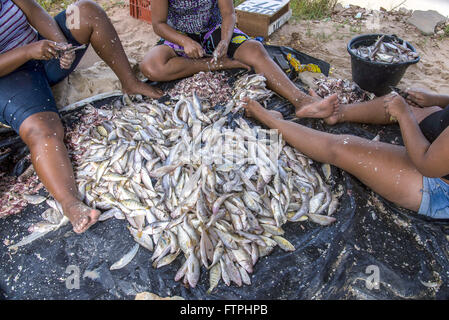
[(62, 52)]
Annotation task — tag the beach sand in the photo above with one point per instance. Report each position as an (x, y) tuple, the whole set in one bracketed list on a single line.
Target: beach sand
[(326, 40)]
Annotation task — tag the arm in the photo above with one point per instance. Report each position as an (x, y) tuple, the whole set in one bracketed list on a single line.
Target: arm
[(13, 59), (40, 50), (159, 11), (41, 20), (227, 26), (431, 160), (441, 100)]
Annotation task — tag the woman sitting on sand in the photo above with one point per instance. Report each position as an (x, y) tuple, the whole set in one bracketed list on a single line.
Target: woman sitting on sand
[(194, 31), (30, 63), (414, 177)]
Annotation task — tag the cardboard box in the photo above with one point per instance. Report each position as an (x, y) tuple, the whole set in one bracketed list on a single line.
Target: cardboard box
[(262, 17)]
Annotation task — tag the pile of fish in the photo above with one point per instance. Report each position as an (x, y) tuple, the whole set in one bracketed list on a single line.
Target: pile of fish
[(386, 51), (249, 86), (190, 184), (213, 86), (346, 90), (14, 191)]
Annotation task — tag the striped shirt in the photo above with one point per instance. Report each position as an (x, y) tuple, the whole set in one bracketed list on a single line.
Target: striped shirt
[(193, 16), (15, 31)]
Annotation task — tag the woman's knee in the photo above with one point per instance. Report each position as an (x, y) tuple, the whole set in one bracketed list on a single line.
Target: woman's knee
[(152, 68), (149, 69), (84, 13), (37, 128), (252, 50), (88, 6)]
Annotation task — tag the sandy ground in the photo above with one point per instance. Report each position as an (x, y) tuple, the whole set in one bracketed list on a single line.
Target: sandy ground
[(326, 40)]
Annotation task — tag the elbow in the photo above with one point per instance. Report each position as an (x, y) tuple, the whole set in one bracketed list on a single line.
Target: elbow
[(157, 28)]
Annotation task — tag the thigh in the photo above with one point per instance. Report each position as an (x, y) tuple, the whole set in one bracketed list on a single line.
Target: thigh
[(422, 113), (25, 92), (53, 71), (383, 167), (213, 37)]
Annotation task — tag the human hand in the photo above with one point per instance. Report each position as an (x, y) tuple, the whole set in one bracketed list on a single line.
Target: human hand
[(66, 58), (193, 49), (396, 106), (221, 50), (43, 50), (422, 97)]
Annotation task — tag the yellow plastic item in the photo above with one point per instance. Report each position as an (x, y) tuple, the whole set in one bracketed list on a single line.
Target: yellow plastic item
[(302, 67)]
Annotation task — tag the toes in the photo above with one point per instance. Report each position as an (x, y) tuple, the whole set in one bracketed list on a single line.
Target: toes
[(93, 218), (80, 225), (94, 214)]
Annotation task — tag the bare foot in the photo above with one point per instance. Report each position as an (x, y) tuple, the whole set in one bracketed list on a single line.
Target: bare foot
[(142, 88), (317, 108), (255, 110), (81, 216), (333, 119), (422, 97), (335, 116)]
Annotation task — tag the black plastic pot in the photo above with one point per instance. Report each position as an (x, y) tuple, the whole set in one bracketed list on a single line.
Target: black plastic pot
[(376, 77)]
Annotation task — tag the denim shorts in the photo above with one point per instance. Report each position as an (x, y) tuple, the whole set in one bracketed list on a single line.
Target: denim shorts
[(435, 198), (27, 90)]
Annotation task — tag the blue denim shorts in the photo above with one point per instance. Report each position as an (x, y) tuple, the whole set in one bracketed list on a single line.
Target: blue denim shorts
[(435, 198), (27, 90)]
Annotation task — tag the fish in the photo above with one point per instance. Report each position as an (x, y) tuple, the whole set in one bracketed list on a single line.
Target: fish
[(284, 243), (38, 231), (386, 50), (34, 199), (321, 219), (126, 258), (195, 179), (214, 278), (53, 216)]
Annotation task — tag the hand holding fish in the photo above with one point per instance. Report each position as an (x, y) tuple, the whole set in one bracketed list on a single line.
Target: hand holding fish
[(66, 55), (396, 106), (220, 51), (43, 50)]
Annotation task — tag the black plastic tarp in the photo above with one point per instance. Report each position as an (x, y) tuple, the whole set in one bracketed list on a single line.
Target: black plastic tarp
[(372, 240)]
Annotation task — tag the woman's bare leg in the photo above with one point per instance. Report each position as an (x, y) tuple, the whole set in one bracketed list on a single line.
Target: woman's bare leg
[(97, 29), (373, 112), (253, 53), (385, 168), (162, 64), (44, 134)]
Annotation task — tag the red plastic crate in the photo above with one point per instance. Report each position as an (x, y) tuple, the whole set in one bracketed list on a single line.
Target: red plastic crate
[(140, 9)]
